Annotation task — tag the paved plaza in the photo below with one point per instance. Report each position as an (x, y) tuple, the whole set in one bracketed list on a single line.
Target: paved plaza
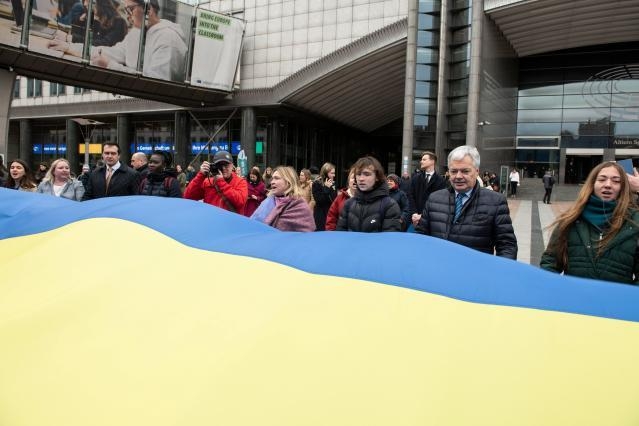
[(531, 216)]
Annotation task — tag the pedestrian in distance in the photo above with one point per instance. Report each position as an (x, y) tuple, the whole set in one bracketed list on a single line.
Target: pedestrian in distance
[(514, 182), (597, 236), (59, 183), (140, 164), (549, 182), (468, 214)]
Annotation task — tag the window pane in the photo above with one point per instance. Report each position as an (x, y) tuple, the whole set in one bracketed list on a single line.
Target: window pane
[(427, 38), (601, 127), (626, 86), (626, 129), (586, 114), (425, 106), (426, 73), (539, 115), (550, 89), (425, 90), (429, 6), (427, 22), (426, 55), (624, 114), (587, 100), (459, 87), (539, 129), (458, 105), (587, 87), (625, 100), (539, 102)]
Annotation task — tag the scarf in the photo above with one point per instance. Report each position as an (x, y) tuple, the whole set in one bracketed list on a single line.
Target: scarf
[(264, 209), (598, 212)]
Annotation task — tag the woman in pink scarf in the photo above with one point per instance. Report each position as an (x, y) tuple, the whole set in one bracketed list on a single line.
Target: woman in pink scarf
[(285, 207)]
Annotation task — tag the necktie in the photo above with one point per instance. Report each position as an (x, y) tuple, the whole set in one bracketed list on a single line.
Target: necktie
[(427, 177), (458, 205), (108, 177)]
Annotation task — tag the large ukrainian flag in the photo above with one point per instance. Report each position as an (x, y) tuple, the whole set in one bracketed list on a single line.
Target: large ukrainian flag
[(147, 311)]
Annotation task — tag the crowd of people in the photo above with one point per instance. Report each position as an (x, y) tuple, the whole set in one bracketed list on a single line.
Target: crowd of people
[(595, 238)]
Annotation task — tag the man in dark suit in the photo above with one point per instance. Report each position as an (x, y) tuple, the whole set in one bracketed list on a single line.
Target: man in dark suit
[(114, 179), (422, 184)]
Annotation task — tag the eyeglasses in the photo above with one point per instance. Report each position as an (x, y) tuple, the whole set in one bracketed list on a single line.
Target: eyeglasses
[(129, 9)]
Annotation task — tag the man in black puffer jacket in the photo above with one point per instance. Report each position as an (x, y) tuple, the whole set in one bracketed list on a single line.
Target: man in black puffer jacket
[(371, 209), (468, 214)]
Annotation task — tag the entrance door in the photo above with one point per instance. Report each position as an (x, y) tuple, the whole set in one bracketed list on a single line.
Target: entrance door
[(579, 166)]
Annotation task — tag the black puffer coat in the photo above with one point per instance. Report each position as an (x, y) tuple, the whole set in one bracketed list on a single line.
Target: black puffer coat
[(373, 211), (163, 184), (484, 224)]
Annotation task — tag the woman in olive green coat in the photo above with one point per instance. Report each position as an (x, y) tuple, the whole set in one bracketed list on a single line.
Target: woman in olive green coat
[(597, 237)]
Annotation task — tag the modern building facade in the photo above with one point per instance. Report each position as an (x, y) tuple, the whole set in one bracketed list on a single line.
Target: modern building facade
[(541, 84)]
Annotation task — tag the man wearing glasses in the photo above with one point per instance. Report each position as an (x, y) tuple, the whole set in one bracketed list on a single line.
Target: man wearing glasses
[(468, 214), (164, 49)]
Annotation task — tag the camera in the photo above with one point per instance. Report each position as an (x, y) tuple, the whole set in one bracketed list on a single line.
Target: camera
[(214, 169)]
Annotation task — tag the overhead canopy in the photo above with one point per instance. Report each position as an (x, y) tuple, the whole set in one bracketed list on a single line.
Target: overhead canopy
[(538, 26)]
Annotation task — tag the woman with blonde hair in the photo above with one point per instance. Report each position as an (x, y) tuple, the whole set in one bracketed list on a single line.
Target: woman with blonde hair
[(58, 182), (597, 237), (305, 184), (285, 207)]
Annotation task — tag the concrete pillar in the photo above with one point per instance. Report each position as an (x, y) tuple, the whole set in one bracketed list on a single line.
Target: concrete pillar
[(474, 77), (247, 136), (7, 80), (182, 132), (409, 87), (125, 137), (609, 154), (73, 141), (442, 90), (26, 144)]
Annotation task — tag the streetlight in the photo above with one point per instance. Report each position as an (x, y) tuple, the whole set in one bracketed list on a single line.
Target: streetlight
[(87, 134)]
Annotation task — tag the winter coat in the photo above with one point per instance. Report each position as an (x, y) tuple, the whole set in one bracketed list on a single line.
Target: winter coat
[(291, 214), (323, 197), (484, 224), (259, 190), (163, 184), (72, 190), (229, 195), (372, 211), (420, 190), (336, 207), (549, 181), (123, 182), (404, 205), (619, 261)]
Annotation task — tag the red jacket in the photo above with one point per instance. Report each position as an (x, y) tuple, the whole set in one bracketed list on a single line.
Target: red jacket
[(235, 191), (336, 207)]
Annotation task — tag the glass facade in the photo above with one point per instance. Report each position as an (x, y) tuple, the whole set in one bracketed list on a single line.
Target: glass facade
[(578, 98), (428, 23), (459, 63)]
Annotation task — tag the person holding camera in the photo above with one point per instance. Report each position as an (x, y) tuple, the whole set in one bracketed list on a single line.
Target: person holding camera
[(218, 185), (324, 192)]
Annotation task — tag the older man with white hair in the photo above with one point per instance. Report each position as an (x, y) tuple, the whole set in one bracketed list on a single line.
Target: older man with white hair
[(468, 214)]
